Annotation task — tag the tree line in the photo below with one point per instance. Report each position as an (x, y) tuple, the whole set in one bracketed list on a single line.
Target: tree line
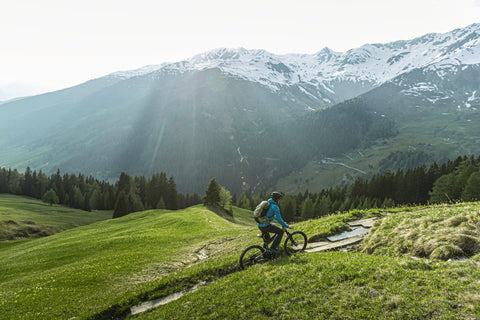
[(457, 180), (127, 195)]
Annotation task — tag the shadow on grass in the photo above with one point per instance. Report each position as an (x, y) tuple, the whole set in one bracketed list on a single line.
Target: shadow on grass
[(222, 212)]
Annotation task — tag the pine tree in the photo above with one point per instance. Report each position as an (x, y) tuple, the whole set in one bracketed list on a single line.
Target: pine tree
[(388, 203), (212, 194), (307, 209), (3, 181), (121, 205), (27, 183), (288, 208), (41, 184), (135, 203), (78, 198), (472, 188), (14, 182), (244, 201), (171, 200), (322, 206), (95, 200), (225, 197), (161, 204)]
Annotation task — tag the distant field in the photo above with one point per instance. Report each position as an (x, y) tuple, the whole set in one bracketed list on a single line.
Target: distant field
[(22, 217)]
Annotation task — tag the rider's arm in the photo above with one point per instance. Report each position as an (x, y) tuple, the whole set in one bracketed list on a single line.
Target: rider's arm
[(278, 216)]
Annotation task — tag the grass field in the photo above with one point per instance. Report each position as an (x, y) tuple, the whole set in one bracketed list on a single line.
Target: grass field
[(22, 217), (99, 271), (82, 271)]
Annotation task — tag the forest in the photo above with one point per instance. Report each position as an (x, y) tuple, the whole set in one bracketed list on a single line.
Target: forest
[(453, 181), (128, 194)]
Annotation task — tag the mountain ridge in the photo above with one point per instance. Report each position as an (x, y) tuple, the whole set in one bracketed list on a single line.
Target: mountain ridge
[(248, 117), (250, 67)]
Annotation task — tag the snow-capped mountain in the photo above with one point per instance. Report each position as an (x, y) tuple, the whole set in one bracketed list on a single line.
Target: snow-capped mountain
[(245, 116), (320, 75)]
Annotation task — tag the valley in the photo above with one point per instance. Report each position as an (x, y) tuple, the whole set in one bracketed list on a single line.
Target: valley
[(129, 190), (283, 112)]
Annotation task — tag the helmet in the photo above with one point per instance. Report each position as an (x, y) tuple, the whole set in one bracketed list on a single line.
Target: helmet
[(276, 195)]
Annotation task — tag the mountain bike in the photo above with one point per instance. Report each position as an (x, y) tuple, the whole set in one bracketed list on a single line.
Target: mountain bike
[(295, 242)]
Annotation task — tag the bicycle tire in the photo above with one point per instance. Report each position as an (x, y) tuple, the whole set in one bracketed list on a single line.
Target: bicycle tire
[(252, 255), (295, 242)]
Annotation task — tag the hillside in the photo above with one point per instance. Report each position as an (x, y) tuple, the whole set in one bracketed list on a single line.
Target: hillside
[(99, 271), (393, 284), (434, 117), (22, 217), (249, 117), (80, 272)]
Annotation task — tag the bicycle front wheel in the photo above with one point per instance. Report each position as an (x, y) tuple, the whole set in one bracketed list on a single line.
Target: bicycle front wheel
[(296, 242), (252, 255)]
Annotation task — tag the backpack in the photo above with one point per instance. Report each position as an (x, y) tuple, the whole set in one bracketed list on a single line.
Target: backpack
[(260, 212)]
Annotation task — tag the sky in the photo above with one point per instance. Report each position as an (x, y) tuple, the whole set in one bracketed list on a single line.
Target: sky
[(53, 44)]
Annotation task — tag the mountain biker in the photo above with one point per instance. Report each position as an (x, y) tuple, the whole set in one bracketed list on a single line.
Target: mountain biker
[(266, 227)]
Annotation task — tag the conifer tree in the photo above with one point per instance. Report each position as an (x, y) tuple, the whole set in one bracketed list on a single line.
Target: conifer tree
[(244, 201), (212, 194), (171, 201), (27, 183), (78, 198), (161, 204), (322, 206), (472, 188), (41, 184), (14, 182), (307, 209), (121, 205), (3, 181), (225, 197), (288, 208)]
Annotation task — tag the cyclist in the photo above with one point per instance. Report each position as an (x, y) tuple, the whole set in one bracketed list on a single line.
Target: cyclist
[(266, 227)]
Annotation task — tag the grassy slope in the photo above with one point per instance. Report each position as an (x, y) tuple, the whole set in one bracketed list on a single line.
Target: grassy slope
[(25, 217), (437, 232), (82, 271), (347, 285), (112, 265), (336, 285)]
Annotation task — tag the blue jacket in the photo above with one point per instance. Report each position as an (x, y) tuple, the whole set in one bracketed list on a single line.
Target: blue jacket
[(273, 213)]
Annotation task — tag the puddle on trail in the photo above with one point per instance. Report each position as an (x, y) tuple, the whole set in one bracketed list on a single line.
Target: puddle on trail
[(355, 231), (162, 301)]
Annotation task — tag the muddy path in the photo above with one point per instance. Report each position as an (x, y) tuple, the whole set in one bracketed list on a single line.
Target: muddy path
[(358, 230)]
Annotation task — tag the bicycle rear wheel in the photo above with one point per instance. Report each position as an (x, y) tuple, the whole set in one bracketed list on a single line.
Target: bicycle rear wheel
[(296, 242), (252, 255)]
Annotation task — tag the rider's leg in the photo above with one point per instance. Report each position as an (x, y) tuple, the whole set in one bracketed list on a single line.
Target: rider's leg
[(266, 239), (265, 236), (277, 238)]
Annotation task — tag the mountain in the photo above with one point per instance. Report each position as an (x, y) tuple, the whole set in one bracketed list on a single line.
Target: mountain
[(249, 117), (435, 113)]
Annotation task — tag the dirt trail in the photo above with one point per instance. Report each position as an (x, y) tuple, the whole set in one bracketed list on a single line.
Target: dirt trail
[(359, 229)]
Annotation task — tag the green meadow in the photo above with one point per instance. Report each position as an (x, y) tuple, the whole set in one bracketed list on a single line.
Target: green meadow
[(22, 217), (101, 270)]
